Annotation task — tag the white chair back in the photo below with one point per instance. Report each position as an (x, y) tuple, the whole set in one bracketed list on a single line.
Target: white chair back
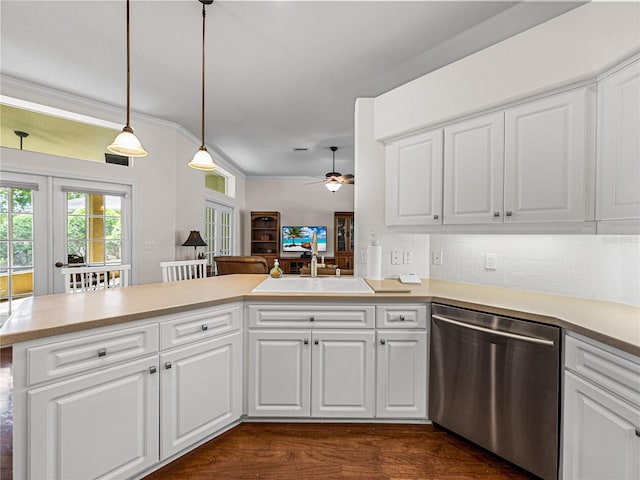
[(81, 279), (183, 270)]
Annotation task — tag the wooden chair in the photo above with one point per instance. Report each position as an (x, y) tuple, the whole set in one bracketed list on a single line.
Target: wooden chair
[(183, 270), (240, 264), (82, 279)]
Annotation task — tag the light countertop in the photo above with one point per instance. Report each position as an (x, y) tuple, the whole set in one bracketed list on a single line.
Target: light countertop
[(615, 324)]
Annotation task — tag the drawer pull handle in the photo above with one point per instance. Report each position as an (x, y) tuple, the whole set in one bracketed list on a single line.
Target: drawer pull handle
[(496, 214), (382, 341), (637, 432), (167, 365), (316, 342), (435, 217), (102, 352), (402, 318), (152, 369), (306, 341), (509, 213), (312, 318), (205, 327)]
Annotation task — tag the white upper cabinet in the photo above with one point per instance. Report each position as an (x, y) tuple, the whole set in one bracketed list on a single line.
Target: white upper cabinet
[(618, 170), (413, 176), (548, 159), (473, 170)]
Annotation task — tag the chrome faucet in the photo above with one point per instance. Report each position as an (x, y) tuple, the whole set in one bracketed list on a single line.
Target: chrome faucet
[(314, 257)]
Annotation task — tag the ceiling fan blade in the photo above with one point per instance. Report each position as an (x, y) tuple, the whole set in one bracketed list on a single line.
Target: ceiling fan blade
[(347, 179)]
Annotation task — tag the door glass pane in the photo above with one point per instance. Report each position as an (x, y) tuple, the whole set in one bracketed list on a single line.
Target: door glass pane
[(16, 247), (76, 203), (113, 251), (76, 227), (77, 248)]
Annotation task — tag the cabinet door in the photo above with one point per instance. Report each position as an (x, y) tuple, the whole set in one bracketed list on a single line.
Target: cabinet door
[(279, 372), (201, 391), (413, 179), (473, 170), (402, 374), (342, 373), (618, 173), (102, 425), (601, 436), (549, 145)]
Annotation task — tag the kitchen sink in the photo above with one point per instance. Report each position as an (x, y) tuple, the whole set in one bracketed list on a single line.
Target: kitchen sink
[(313, 285)]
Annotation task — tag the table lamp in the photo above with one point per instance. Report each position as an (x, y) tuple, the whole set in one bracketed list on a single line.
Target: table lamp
[(195, 241)]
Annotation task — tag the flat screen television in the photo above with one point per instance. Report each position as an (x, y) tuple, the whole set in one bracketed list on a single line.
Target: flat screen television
[(297, 238)]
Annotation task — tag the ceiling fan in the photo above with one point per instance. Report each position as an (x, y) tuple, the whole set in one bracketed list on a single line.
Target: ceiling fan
[(334, 180)]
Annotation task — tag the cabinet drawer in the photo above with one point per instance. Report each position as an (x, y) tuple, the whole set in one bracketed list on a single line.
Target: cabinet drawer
[(312, 316), (199, 325), (71, 357), (401, 316), (617, 373)]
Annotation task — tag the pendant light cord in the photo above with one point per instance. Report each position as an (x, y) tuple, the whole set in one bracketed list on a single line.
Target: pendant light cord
[(202, 146), (128, 125)]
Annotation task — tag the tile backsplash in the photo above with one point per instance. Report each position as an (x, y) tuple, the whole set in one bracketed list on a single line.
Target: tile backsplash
[(601, 267)]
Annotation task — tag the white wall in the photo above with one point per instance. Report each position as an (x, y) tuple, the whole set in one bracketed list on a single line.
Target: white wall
[(168, 196), (572, 47), (369, 203), (600, 267), (297, 202)]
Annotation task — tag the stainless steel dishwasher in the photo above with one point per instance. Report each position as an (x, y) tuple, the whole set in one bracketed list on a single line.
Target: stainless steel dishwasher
[(495, 381)]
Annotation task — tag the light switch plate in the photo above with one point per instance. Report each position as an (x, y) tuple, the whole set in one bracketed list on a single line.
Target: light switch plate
[(491, 261)]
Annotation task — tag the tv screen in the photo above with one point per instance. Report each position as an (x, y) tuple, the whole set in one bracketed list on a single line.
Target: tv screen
[(297, 238)]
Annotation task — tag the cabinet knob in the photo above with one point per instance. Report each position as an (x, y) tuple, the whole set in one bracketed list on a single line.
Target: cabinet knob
[(382, 341), (306, 341), (152, 369), (496, 214), (402, 318), (312, 318), (205, 327), (102, 352), (508, 213), (316, 342), (167, 365), (436, 216)]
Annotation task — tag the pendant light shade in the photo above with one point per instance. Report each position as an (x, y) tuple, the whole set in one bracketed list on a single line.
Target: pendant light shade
[(202, 159), (333, 186), (126, 143)]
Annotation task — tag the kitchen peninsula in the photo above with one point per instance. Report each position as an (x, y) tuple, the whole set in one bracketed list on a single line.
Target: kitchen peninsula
[(170, 366)]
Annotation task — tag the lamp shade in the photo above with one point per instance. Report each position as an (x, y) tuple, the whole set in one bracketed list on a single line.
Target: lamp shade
[(194, 240), (333, 186), (202, 160), (127, 144)]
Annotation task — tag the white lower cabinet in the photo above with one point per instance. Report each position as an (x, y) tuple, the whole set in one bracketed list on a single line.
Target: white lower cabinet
[(401, 374), (601, 413), (298, 373), (101, 425), (201, 391)]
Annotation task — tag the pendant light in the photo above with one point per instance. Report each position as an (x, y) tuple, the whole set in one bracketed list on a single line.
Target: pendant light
[(202, 160), (126, 143), (333, 185)]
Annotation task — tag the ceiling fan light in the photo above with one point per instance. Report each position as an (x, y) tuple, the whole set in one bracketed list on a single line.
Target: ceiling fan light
[(202, 160), (333, 186), (127, 144)]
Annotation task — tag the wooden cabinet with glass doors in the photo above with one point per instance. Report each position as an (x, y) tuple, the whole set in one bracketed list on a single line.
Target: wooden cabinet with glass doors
[(265, 235), (343, 239)]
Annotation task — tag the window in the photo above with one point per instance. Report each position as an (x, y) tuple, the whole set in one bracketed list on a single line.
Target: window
[(16, 247), (94, 228), (218, 230)]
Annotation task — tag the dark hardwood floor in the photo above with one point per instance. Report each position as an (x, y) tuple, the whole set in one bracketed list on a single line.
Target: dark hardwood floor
[(337, 451), (300, 451)]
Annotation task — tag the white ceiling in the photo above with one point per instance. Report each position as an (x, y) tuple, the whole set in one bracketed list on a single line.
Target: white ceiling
[(280, 74)]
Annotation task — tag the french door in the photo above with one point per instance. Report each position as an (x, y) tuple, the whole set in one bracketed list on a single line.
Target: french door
[(91, 225), (218, 230), (23, 240)]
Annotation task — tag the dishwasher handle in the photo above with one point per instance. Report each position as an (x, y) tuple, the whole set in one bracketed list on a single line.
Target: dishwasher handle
[(499, 333)]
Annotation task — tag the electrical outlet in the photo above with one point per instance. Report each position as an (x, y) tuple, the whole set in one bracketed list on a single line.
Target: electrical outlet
[(436, 257), (395, 257), (491, 261), (407, 257)]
